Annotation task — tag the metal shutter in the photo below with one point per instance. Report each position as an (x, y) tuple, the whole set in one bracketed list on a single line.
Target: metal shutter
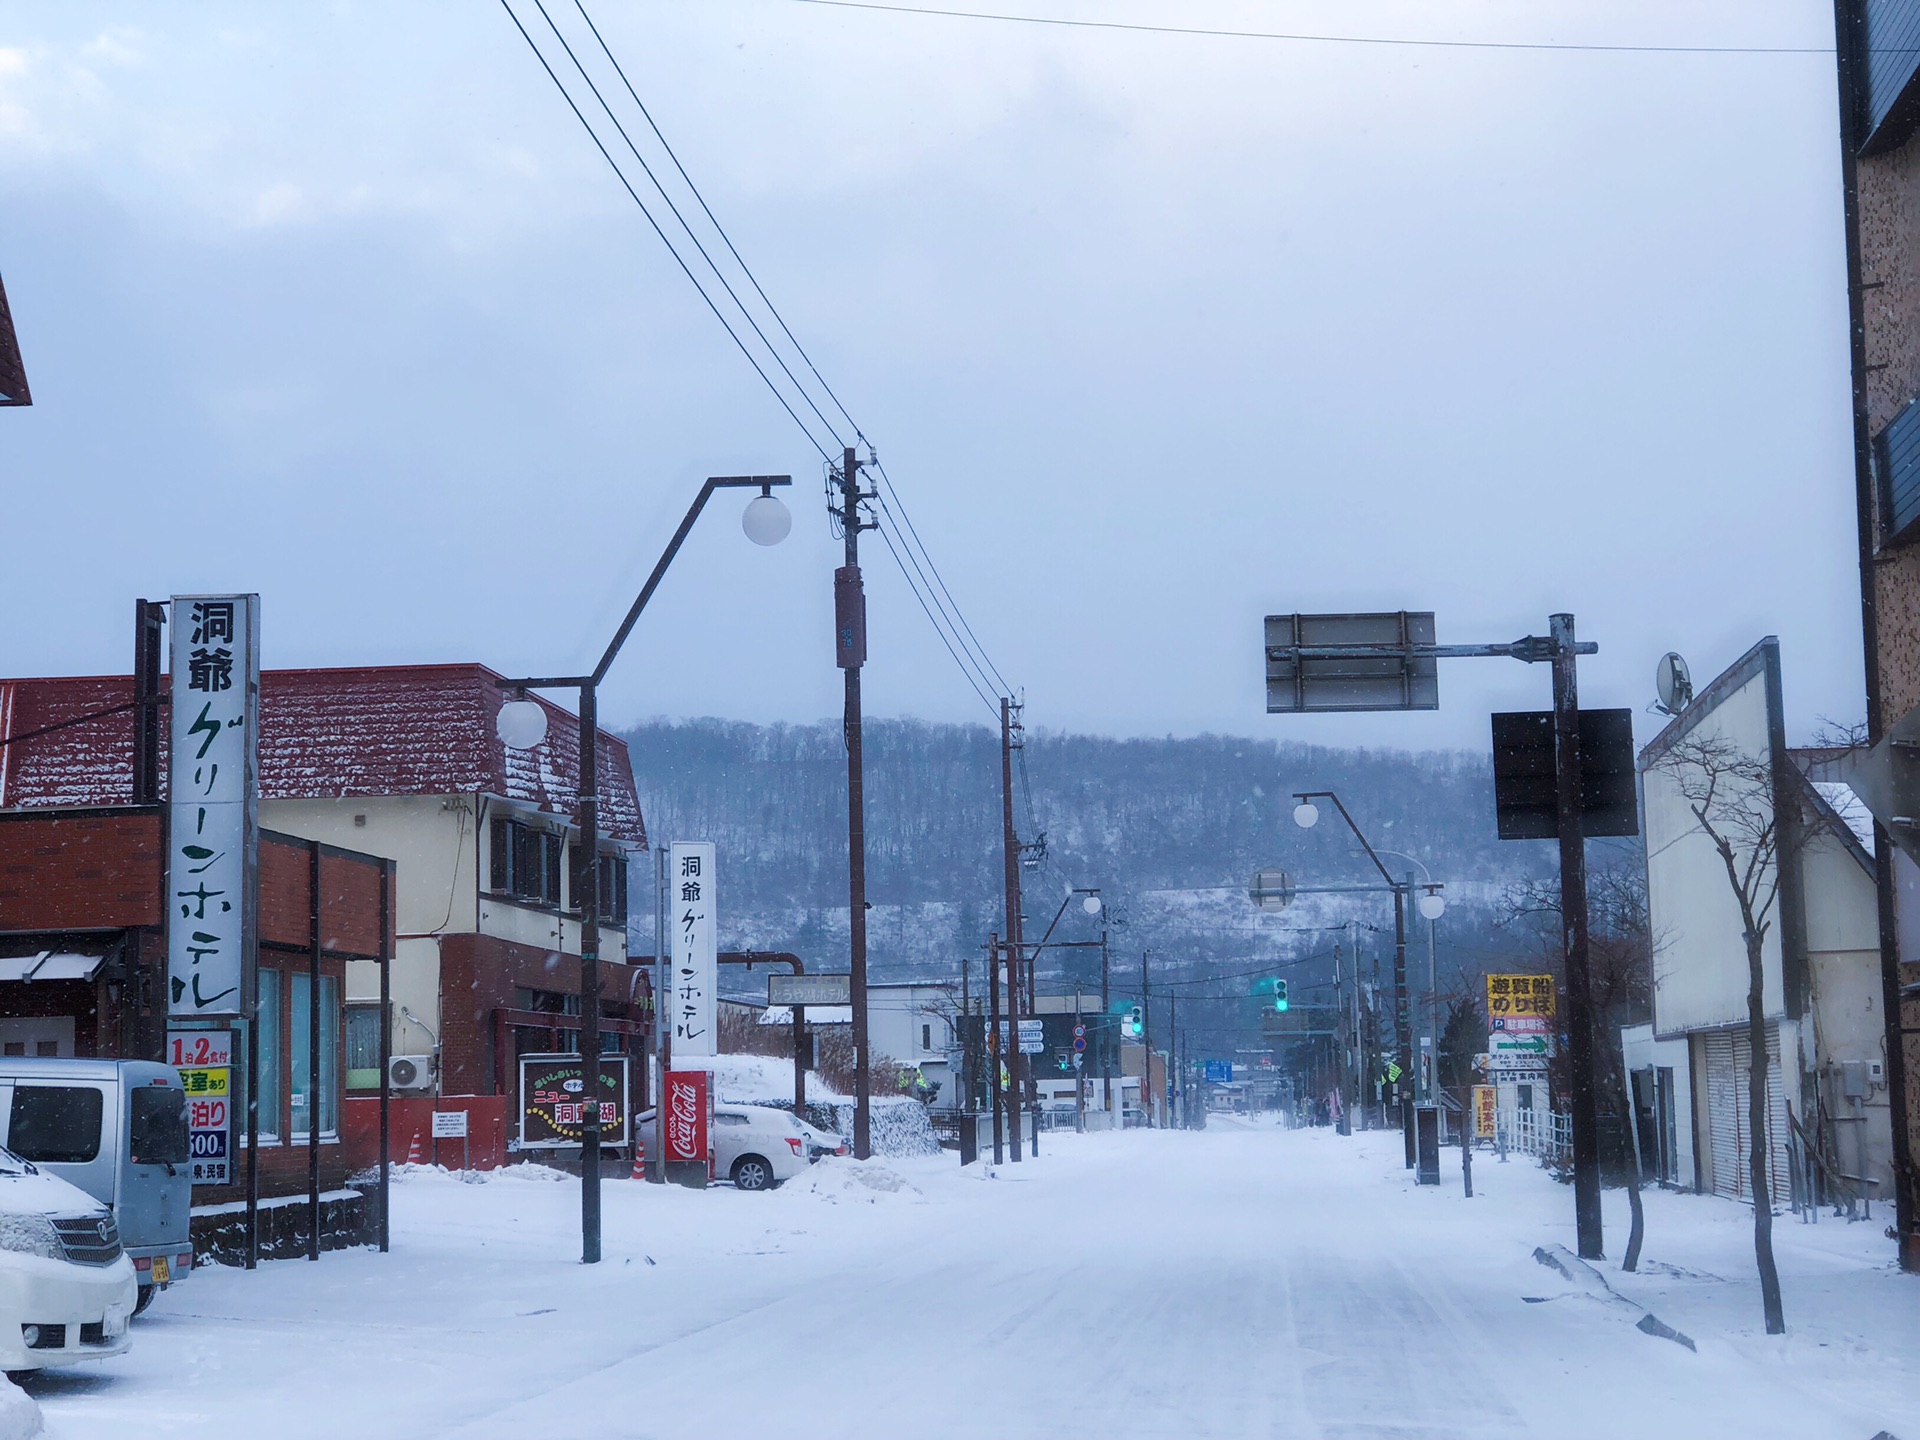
[(1729, 1070), (1724, 1106)]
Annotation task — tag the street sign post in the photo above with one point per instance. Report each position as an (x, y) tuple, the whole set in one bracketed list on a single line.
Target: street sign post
[(1386, 662)]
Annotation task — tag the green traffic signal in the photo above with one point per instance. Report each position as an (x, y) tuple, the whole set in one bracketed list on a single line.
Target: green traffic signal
[(1279, 995)]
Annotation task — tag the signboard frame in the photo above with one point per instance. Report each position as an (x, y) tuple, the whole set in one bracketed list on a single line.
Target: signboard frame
[(540, 1121), (693, 935), (809, 990), (213, 797), (1393, 678)]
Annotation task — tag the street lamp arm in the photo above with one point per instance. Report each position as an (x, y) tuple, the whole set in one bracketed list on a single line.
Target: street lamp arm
[(1329, 795), (713, 483)]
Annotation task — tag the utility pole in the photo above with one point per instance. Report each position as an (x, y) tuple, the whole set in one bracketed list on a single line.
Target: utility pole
[(1010, 858), (1573, 921), (1106, 1029), (995, 1057), (850, 653), (1174, 1110), (1402, 1020), (1146, 1047)]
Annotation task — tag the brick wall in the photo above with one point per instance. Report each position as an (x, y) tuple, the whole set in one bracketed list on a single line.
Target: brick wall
[(100, 870)]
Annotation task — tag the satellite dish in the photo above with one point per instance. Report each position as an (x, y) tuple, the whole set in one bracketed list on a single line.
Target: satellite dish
[(1674, 683), (1271, 890)]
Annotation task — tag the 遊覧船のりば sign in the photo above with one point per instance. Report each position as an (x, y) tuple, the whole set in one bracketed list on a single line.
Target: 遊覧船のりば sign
[(212, 802)]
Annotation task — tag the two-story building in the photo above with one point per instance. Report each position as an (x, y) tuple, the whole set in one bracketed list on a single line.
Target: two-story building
[(404, 762), (1806, 846)]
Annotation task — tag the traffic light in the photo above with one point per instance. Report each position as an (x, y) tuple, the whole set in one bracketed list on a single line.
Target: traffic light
[(1135, 1024), (1279, 995)]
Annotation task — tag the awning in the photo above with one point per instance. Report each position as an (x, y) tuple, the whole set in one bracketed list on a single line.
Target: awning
[(50, 965)]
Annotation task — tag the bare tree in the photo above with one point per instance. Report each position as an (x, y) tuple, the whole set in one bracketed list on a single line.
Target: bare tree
[(1731, 795), (1620, 978)]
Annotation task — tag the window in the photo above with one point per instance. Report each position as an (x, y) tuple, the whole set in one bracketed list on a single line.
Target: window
[(56, 1123), (1896, 474), (269, 1061), (926, 1037), (613, 889), (157, 1126), (526, 862), (363, 1047), (305, 1092)]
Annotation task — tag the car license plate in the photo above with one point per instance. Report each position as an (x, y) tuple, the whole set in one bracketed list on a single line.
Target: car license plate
[(160, 1272)]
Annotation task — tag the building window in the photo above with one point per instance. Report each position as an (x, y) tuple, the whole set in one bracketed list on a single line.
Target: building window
[(363, 1047), (270, 1052), (613, 889), (926, 1037), (305, 1093), (526, 862), (1896, 476)]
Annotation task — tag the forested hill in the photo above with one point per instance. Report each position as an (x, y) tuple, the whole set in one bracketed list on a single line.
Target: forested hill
[(1138, 818)]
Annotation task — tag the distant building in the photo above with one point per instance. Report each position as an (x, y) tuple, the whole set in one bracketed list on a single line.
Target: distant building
[(403, 762), (1826, 1087), (1879, 67)]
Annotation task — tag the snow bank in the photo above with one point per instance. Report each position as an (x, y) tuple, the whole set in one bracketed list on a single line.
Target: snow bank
[(756, 1079), (19, 1412), (899, 1126), (861, 1182)]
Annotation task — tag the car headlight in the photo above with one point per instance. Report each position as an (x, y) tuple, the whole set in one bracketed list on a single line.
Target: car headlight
[(30, 1235)]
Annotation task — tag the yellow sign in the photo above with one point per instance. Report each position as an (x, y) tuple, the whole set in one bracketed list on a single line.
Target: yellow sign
[(1485, 1097), (205, 1082), (1519, 995)]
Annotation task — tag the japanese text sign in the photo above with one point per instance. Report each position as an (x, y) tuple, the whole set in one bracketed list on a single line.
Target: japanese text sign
[(553, 1101), (212, 797), (204, 1059), (693, 939), (1485, 1098), (1519, 995)]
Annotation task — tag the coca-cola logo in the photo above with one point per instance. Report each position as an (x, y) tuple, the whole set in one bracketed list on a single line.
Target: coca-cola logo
[(684, 1116)]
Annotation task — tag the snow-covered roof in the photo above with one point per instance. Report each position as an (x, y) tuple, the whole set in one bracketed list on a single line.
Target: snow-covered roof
[(324, 734)]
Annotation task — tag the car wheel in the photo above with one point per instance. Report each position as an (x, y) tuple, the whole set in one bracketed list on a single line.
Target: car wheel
[(750, 1172), (147, 1293)]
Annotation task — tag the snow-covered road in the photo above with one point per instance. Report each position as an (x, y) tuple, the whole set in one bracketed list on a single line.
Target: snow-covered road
[(1244, 1281)]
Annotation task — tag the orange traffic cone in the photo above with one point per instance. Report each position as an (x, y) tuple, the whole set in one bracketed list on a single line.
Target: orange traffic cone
[(639, 1160), (413, 1150)]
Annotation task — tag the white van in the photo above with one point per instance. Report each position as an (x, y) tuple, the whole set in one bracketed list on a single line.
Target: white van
[(118, 1130), (67, 1289)]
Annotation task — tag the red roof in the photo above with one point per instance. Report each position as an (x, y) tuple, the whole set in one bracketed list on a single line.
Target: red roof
[(324, 734)]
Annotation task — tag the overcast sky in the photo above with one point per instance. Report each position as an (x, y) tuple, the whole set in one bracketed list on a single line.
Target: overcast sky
[(1155, 334)]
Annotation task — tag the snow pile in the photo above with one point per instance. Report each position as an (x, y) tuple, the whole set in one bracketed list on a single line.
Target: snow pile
[(19, 1412), (898, 1125), (756, 1079), (864, 1182)]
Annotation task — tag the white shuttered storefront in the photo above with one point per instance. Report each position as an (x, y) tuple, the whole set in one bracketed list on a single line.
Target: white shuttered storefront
[(1727, 1077)]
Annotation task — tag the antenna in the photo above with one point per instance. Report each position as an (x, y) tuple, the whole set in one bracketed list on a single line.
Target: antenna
[(1674, 682)]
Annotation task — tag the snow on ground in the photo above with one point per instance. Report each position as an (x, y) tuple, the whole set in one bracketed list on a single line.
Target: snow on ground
[(1242, 1281)]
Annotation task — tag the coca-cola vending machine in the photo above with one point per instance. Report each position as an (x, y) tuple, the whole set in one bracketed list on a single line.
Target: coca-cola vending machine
[(689, 1127)]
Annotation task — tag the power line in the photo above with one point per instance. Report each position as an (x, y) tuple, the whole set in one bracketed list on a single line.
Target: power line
[(1306, 37), (981, 650), (634, 195), (954, 628), (634, 150), (882, 531)]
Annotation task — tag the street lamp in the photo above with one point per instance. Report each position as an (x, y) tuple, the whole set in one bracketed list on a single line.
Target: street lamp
[(522, 724), (1304, 815)]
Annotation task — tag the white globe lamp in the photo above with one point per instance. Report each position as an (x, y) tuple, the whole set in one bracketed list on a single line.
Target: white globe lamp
[(1091, 904), (1432, 905), (766, 520), (1306, 815), (521, 724)]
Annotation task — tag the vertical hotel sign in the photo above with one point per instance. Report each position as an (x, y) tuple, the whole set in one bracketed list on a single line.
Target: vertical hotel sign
[(694, 937), (213, 789)]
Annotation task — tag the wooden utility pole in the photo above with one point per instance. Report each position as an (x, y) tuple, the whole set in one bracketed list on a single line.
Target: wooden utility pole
[(996, 1056), (850, 653), (1010, 857), (1146, 1047), (1573, 921)]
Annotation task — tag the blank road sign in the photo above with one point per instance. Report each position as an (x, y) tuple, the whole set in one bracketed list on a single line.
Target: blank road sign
[(1390, 678), (1524, 788)]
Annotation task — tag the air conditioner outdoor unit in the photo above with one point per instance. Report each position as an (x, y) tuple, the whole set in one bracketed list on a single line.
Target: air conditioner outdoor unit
[(412, 1073)]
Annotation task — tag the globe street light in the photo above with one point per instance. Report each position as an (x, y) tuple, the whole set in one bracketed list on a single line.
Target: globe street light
[(1306, 815), (521, 725)]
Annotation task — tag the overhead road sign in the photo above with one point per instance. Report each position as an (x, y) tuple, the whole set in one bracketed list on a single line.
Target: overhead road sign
[(1387, 668), (1271, 890)]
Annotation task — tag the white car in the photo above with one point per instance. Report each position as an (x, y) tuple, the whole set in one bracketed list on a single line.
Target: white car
[(759, 1146), (67, 1289)]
